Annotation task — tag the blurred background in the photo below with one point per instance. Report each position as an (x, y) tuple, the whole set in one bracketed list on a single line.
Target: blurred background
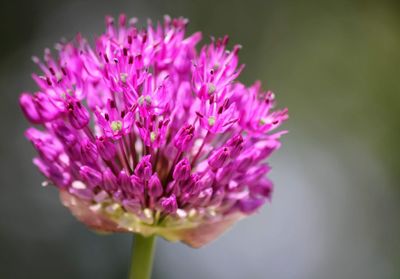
[(335, 211)]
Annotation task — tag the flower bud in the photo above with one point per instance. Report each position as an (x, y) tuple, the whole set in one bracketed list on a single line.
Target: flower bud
[(244, 162), (263, 188), (182, 170), (78, 115), (54, 172), (155, 188), (235, 145), (144, 168), (90, 175), (137, 186), (105, 148), (29, 109), (38, 108), (124, 182), (89, 151), (64, 133), (184, 137), (249, 205), (218, 158), (74, 152), (110, 181), (44, 143), (169, 204)]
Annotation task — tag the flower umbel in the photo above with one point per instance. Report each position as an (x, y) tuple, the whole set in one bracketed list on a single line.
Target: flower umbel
[(143, 133)]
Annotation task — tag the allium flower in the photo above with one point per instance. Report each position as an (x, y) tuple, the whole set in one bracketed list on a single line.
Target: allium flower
[(143, 133)]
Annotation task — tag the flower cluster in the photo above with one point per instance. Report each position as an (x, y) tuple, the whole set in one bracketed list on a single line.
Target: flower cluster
[(143, 133)]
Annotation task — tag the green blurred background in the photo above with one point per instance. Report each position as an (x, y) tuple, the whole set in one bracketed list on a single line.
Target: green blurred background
[(335, 213)]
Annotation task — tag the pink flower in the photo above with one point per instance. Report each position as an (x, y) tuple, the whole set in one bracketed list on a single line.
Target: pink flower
[(143, 133)]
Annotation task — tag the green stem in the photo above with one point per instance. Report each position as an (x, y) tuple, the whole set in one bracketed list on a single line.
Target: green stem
[(142, 257)]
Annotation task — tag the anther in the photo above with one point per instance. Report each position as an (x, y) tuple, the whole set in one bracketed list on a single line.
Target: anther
[(106, 58), (211, 120), (116, 125)]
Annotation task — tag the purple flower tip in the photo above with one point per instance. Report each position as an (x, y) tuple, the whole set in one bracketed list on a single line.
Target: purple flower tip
[(184, 137), (110, 182), (89, 151), (155, 187), (219, 158), (144, 168), (182, 170), (105, 148), (77, 114), (91, 176), (169, 204)]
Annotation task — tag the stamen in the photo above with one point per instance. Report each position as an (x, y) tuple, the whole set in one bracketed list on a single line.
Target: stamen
[(106, 58), (153, 136), (123, 77), (211, 120), (116, 125), (52, 71), (211, 88)]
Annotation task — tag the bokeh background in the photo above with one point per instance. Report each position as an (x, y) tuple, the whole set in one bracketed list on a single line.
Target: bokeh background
[(335, 212)]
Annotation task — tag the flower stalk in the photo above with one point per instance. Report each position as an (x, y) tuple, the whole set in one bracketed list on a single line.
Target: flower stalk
[(142, 257)]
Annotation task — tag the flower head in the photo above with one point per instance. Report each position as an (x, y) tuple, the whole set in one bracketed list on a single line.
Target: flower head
[(143, 133)]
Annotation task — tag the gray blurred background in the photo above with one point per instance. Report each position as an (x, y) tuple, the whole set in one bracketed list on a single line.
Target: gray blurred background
[(335, 212)]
